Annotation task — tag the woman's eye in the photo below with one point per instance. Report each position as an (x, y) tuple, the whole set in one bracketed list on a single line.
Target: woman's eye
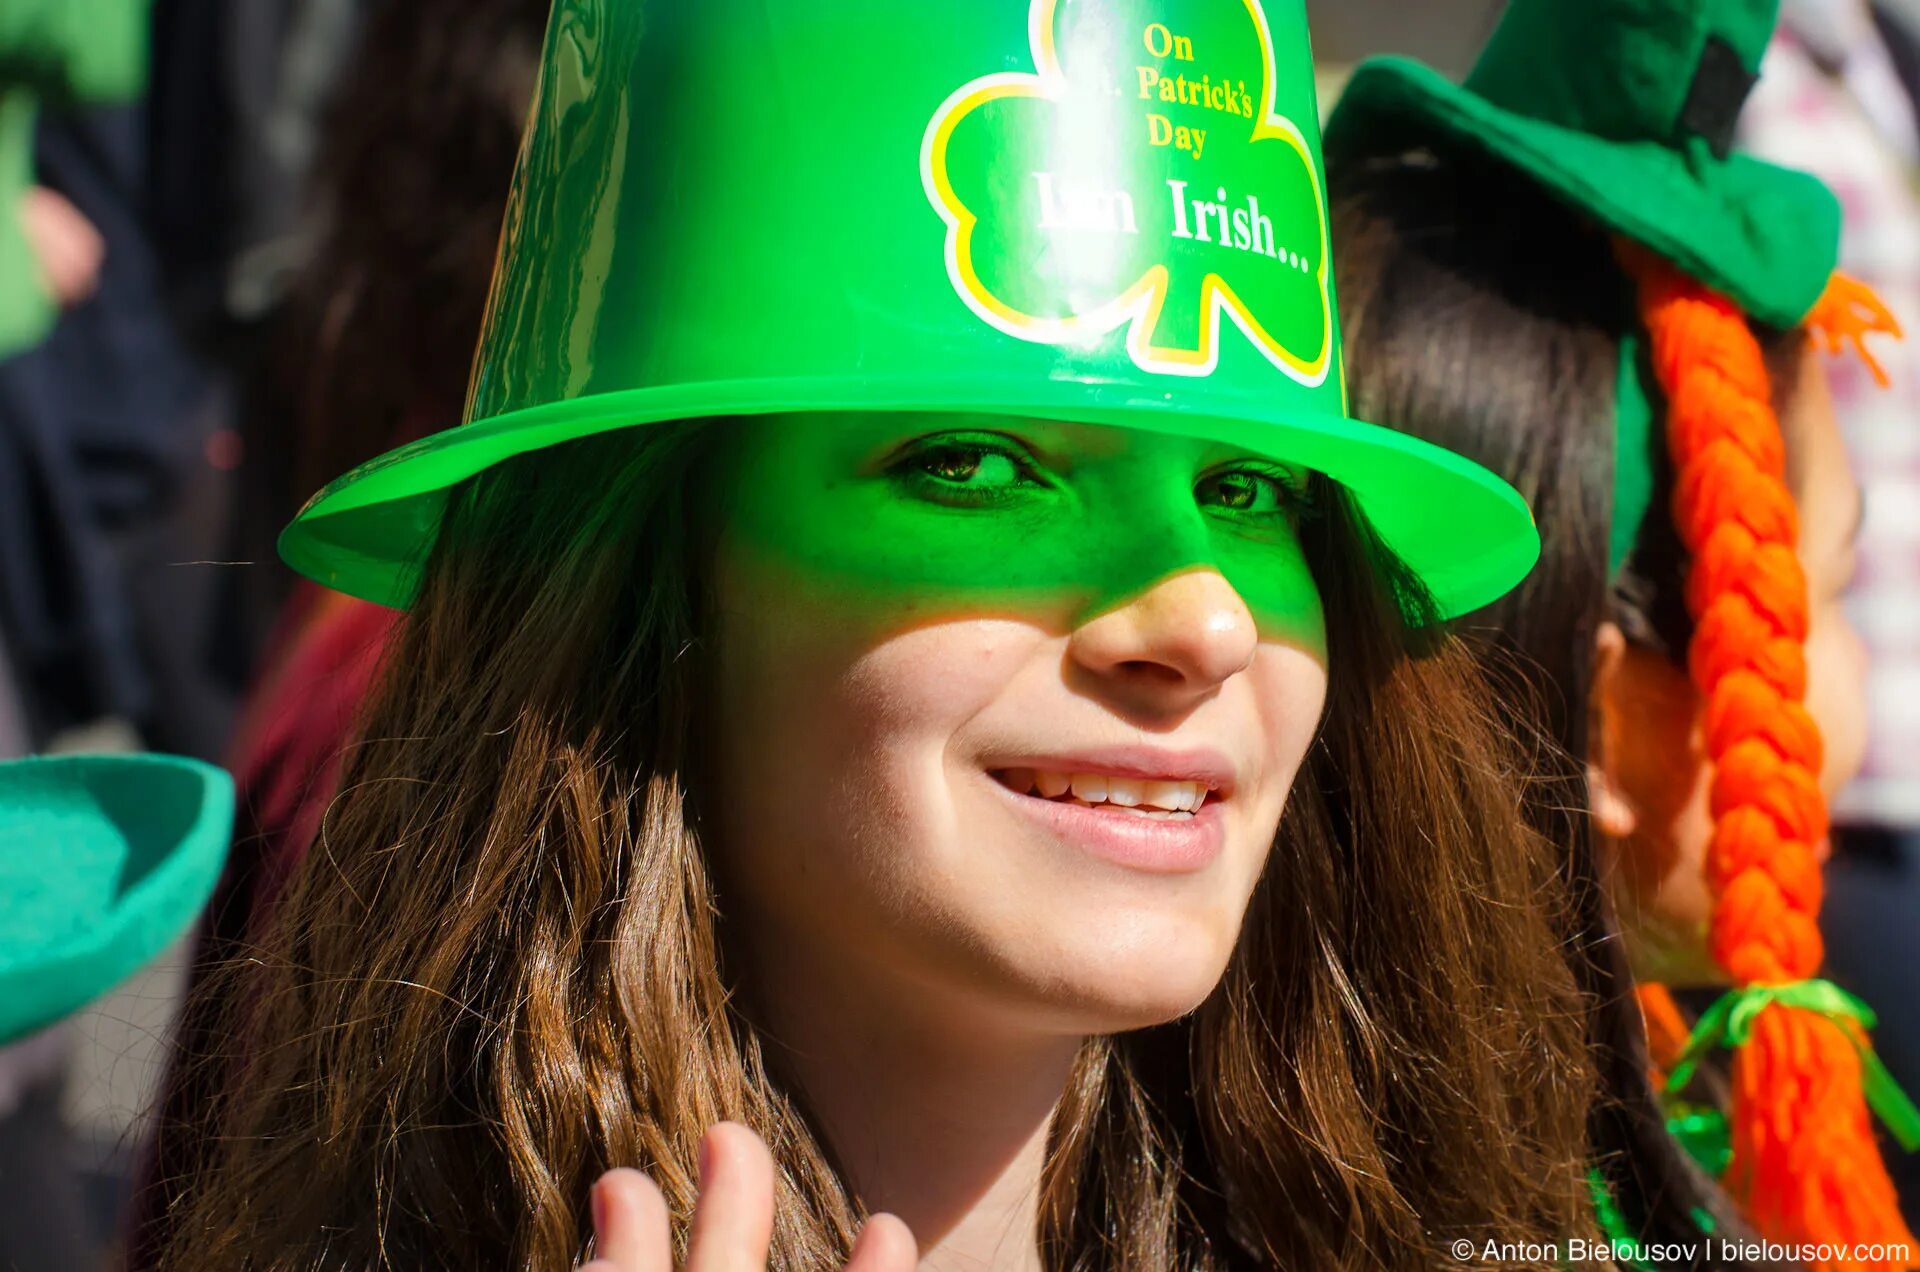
[(968, 470), (963, 466), (1256, 492)]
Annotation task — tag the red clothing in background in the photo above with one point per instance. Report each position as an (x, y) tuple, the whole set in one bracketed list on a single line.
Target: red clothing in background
[(293, 735)]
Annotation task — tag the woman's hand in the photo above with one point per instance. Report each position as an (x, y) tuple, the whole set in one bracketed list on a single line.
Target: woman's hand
[(732, 1222), (69, 249)]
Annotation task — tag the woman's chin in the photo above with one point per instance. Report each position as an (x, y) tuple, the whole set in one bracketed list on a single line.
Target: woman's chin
[(1092, 994)]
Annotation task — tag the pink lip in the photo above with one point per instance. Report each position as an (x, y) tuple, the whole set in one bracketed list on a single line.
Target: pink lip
[(1146, 763), (1145, 844)]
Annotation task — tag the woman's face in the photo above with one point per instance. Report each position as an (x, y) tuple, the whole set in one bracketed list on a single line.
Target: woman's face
[(1654, 717), (1006, 710)]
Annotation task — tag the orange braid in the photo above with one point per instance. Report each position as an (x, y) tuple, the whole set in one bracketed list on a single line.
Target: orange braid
[(1805, 1166)]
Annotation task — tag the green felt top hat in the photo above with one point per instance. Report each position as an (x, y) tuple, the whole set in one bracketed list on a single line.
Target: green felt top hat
[(1626, 108), (104, 861), (1108, 213)]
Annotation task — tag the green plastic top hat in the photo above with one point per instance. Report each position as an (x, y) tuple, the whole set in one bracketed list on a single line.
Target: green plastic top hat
[(1108, 213), (1627, 109), (104, 860)]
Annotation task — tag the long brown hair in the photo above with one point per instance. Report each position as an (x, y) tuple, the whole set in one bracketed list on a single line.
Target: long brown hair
[(1482, 315), (500, 971)]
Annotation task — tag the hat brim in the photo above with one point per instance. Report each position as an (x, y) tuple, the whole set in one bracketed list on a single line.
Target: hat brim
[(1764, 236), (104, 862), (1467, 534)]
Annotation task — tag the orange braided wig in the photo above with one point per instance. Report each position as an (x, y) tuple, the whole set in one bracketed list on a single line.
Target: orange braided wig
[(1805, 1167)]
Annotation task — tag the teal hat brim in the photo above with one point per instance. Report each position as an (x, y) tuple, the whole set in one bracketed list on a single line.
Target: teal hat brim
[(104, 862), (1467, 534), (1766, 237)]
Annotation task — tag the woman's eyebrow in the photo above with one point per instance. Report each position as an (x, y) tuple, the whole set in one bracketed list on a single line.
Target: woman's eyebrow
[(1229, 453), (1059, 441)]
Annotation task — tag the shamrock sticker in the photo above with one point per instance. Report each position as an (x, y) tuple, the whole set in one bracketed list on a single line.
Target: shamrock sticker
[(1141, 179)]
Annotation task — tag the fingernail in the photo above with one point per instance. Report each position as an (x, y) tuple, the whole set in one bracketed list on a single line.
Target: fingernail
[(599, 1209), (706, 1157)]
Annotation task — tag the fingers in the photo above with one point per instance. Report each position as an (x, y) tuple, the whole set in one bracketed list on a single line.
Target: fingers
[(630, 1232), (67, 246), (884, 1245), (733, 1222)]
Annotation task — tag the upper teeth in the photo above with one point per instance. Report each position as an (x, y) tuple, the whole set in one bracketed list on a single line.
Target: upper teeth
[(1103, 788)]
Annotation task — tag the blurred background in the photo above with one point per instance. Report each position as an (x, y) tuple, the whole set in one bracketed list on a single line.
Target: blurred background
[(256, 254)]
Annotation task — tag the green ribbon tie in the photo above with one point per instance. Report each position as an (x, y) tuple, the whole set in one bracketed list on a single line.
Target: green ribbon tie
[(1729, 1022)]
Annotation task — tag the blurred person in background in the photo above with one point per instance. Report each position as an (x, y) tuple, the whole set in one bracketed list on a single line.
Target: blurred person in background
[(63, 655), (240, 88), (370, 348), (65, 53), (63, 629), (1703, 698), (1837, 97), (50, 254), (117, 428)]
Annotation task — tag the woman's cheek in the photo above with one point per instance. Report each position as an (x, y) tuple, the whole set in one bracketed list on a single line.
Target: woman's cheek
[(1837, 694), (1277, 586)]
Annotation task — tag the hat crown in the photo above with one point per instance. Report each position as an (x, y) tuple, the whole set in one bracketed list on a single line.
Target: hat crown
[(765, 190), (1667, 71)]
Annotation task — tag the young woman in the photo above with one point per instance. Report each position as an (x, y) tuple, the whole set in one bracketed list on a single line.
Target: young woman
[(1692, 676), (1593, 666), (930, 990), (880, 729)]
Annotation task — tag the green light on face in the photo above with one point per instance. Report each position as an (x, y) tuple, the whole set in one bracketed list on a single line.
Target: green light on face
[(946, 516)]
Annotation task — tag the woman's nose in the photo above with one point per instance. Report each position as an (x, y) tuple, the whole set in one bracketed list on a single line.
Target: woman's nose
[(1180, 638)]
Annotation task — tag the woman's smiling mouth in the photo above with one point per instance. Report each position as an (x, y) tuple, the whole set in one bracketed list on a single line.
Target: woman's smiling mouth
[(1164, 799), (1165, 822)]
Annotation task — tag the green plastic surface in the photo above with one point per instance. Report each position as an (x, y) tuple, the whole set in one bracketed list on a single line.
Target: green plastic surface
[(104, 861), (1110, 214)]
